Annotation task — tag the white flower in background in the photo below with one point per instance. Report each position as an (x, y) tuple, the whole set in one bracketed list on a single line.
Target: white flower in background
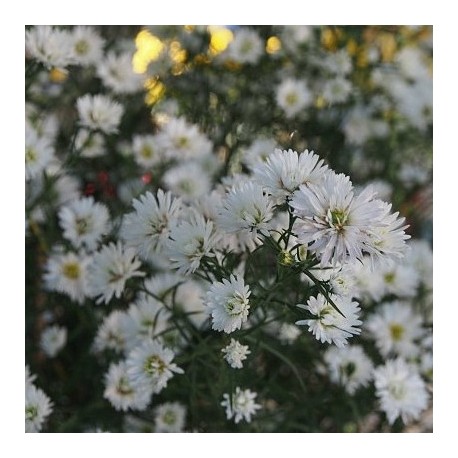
[(284, 171), (182, 140), (99, 112), (121, 392), (150, 365), (337, 90), (162, 285), (338, 63), (420, 257), (87, 45), (258, 151), (396, 327), (246, 47), (84, 222), (240, 405), (294, 36), (68, 274), (49, 45), (329, 325), (39, 153), (53, 339), (382, 188), (189, 242), (228, 304), (187, 180), (369, 285), (38, 407), (146, 150), (189, 297), (293, 96), (117, 73), (29, 377), (399, 279), (90, 144), (360, 124), (115, 332), (148, 227), (111, 267), (349, 366), (169, 417), (235, 353), (340, 279), (401, 391)]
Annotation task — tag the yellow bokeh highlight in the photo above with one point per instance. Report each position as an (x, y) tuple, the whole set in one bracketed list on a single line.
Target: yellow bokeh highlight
[(273, 45), (156, 90), (220, 37), (177, 53), (56, 75), (149, 48), (387, 44)]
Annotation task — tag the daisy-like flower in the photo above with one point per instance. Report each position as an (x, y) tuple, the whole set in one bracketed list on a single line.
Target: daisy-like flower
[(293, 96), (284, 171), (29, 377), (235, 353), (329, 325), (162, 285), (38, 407), (117, 73), (68, 274), (246, 47), (148, 228), (401, 391), (338, 63), (121, 392), (189, 297), (189, 242), (84, 222), (115, 332), (53, 339), (340, 279), (349, 366), (170, 417), (146, 150), (258, 151), (87, 45), (111, 267), (38, 153), (49, 45), (99, 112), (228, 304), (396, 328), (89, 144), (399, 279), (240, 405), (150, 365), (336, 90)]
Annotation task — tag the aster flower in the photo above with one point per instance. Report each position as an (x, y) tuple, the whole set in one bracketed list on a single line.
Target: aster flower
[(235, 353), (121, 392), (38, 153), (29, 377), (258, 151), (84, 222), (396, 327), (38, 407), (336, 90), (246, 47), (99, 112), (189, 297), (115, 332), (162, 284), (87, 45), (241, 405), (228, 304), (189, 242), (150, 365), (349, 366), (329, 325), (284, 171), (148, 228), (170, 417), (111, 267), (53, 339), (292, 96), (146, 150), (401, 391), (89, 144)]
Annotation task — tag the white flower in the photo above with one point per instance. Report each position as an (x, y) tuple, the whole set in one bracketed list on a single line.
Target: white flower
[(38, 153), (246, 47), (336, 90), (121, 392), (87, 45), (99, 112), (340, 279), (284, 171), (235, 353), (240, 405), (395, 327), (189, 242), (148, 228), (349, 366), (293, 96), (401, 391), (258, 151), (228, 304), (146, 150), (162, 285), (29, 377), (189, 297), (329, 325), (49, 45), (37, 408), (150, 365), (117, 73), (115, 332), (84, 222), (89, 144), (170, 417), (399, 279), (111, 267), (338, 63), (68, 274), (53, 339)]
